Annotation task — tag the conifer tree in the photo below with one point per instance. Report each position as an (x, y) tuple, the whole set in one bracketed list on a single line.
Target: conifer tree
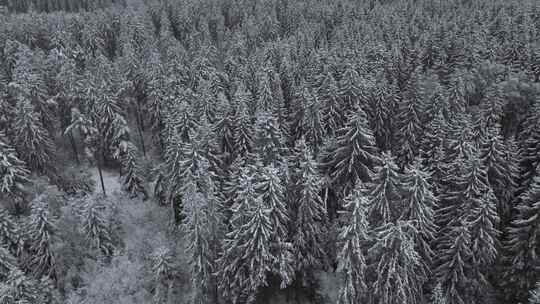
[(354, 154), (410, 130), (455, 265), (272, 192), (18, 288), (353, 236), (197, 226), (310, 219), (501, 169), (311, 120), (484, 234), (13, 171), (269, 140), (96, 227), (437, 295), (399, 268), (382, 103), (534, 295), (520, 244), (32, 140), (132, 176), (9, 233), (348, 88), (331, 108), (163, 270), (420, 205), (7, 263), (247, 258), (386, 192), (41, 234), (243, 132)]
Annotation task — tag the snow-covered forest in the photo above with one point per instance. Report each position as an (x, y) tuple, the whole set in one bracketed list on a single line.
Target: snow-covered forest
[(269, 151)]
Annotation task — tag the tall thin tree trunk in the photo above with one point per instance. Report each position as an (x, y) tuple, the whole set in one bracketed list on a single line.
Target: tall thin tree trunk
[(74, 147), (100, 160), (140, 127)]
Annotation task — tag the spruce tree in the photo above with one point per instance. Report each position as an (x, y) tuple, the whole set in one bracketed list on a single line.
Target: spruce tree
[(399, 268), (10, 235), (484, 221), (386, 192), (331, 108), (162, 267), (310, 220), (96, 227), (32, 140), (272, 191), (455, 265), (352, 239), (7, 263), (243, 128), (41, 233), (269, 140), (13, 171), (534, 295), (520, 245), (247, 258), (410, 131), (501, 169), (197, 226), (353, 155), (133, 178), (18, 288), (420, 205)]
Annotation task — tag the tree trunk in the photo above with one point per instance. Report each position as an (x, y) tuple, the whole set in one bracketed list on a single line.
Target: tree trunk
[(100, 159), (74, 147), (140, 128)]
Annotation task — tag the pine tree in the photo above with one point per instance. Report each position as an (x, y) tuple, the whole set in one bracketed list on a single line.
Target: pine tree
[(32, 140), (354, 154), (420, 206), (13, 172), (310, 220), (352, 258), (386, 192), (520, 244), (399, 268)]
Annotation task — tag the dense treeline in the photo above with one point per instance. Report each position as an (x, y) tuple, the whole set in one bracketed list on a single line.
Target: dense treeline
[(46, 6), (394, 145)]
